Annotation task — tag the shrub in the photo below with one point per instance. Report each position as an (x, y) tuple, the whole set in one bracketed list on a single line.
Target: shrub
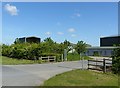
[(96, 53), (116, 61)]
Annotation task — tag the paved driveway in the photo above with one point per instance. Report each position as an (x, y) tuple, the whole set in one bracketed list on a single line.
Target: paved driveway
[(35, 74)]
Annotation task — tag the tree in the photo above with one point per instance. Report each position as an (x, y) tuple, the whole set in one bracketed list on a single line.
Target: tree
[(17, 41), (116, 60), (49, 40), (80, 47), (61, 48), (88, 45), (67, 43)]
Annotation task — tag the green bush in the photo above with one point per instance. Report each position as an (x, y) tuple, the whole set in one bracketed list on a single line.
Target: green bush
[(75, 56), (21, 51), (116, 61), (96, 54), (58, 57), (32, 51), (29, 51)]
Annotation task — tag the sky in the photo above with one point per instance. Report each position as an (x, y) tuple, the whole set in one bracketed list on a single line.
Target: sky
[(72, 21)]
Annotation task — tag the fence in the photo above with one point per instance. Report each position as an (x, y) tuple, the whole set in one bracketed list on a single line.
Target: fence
[(100, 65), (48, 58)]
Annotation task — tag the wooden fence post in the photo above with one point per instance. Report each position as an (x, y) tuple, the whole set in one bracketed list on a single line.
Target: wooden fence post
[(48, 58), (96, 63), (104, 66), (88, 64), (54, 58)]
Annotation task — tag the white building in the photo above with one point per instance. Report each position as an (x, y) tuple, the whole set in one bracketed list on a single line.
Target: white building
[(100, 51)]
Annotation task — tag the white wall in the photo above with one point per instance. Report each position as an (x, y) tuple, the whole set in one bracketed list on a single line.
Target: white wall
[(101, 51)]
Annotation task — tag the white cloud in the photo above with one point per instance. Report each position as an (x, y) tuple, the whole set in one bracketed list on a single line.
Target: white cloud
[(71, 30), (11, 9), (77, 14), (73, 35), (60, 33), (48, 33)]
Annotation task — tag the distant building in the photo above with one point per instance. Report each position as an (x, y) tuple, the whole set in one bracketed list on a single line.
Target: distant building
[(31, 39), (109, 41), (106, 46), (100, 51)]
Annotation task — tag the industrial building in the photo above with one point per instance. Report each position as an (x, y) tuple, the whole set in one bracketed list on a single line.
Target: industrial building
[(106, 46), (109, 41), (31, 39)]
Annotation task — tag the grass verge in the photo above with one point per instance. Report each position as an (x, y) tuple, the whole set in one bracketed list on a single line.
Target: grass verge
[(75, 57), (83, 78), (13, 61)]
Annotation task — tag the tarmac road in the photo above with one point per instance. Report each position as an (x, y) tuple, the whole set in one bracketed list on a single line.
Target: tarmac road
[(35, 74)]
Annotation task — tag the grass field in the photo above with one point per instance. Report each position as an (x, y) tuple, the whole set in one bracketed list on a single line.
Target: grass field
[(12, 61), (83, 78), (75, 57)]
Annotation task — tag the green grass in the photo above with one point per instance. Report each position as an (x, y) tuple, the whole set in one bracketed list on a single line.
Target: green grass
[(13, 61), (83, 78), (75, 57)]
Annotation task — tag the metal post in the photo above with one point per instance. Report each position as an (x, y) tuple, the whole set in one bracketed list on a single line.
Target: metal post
[(62, 57), (25, 40), (65, 55)]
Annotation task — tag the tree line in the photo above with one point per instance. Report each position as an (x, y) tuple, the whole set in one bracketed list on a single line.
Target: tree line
[(48, 47)]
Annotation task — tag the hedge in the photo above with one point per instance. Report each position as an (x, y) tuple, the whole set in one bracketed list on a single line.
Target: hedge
[(116, 61), (30, 51)]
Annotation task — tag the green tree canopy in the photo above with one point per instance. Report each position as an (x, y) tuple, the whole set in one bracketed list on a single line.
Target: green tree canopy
[(66, 42), (17, 41), (48, 40), (116, 60), (80, 47)]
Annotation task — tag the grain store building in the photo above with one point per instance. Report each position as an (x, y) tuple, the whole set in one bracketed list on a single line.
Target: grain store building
[(31, 39), (106, 46)]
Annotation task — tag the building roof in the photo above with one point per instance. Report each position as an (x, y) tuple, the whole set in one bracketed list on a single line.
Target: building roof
[(110, 36), (97, 47), (30, 37)]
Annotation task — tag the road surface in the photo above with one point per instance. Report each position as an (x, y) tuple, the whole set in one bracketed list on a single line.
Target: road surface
[(35, 74)]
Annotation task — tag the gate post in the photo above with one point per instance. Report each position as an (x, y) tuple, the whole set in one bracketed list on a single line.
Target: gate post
[(104, 66), (88, 64)]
